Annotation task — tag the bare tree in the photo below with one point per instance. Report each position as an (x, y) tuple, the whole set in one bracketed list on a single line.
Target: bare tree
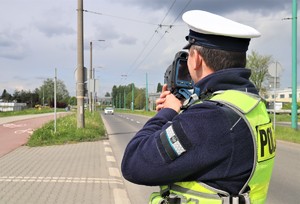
[(259, 65)]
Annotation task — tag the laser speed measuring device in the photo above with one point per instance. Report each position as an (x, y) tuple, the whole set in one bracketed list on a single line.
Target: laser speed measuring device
[(178, 78)]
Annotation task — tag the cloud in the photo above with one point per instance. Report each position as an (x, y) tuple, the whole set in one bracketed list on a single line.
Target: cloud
[(265, 6), (11, 45), (129, 40), (51, 29)]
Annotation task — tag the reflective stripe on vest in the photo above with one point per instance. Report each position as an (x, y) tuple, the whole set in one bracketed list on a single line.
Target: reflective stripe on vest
[(253, 111)]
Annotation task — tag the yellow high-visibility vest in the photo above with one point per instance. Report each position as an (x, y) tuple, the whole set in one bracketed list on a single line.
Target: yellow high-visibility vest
[(253, 111)]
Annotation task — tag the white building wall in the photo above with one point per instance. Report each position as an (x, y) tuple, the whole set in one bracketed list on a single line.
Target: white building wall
[(282, 95), (4, 107)]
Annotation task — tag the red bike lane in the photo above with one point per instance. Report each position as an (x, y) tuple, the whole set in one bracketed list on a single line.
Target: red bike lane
[(15, 134)]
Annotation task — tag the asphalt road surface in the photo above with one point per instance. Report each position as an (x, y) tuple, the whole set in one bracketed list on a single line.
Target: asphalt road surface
[(285, 183)]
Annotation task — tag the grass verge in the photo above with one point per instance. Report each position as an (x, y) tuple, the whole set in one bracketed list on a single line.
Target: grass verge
[(139, 112), (67, 131), (287, 134)]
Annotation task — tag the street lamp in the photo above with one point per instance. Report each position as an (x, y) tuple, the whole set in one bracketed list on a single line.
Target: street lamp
[(91, 73), (94, 88)]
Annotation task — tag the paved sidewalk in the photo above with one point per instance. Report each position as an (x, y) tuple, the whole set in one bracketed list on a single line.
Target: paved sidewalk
[(83, 173), (75, 173)]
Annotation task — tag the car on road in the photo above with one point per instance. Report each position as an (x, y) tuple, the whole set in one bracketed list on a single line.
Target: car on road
[(109, 110)]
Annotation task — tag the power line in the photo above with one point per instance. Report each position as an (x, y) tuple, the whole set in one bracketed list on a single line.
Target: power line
[(188, 3), (155, 32), (166, 31), (123, 18)]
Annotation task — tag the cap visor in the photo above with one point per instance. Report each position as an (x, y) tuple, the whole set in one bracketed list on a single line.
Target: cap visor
[(188, 46)]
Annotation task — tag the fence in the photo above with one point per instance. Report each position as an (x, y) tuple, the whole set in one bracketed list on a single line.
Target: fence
[(5, 107)]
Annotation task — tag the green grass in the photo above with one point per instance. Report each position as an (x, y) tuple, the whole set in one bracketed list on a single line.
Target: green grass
[(282, 117), (67, 131), (139, 112), (287, 134), (30, 111)]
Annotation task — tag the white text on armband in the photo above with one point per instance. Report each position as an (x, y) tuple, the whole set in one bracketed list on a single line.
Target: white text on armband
[(174, 141)]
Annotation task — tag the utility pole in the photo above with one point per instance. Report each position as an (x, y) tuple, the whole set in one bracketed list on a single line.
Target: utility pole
[(55, 82), (90, 77), (132, 97), (80, 69), (124, 100), (294, 67), (147, 92), (91, 91)]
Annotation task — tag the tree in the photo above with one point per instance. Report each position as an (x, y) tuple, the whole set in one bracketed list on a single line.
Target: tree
[(107, 94), (28, 97), (259, 69), (159, 88), (46, 91), (140, 100), (73, 101), (118, 96), (6, 96)]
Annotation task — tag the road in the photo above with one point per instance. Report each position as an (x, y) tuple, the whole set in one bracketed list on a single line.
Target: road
[(285, 182), (120, 129)]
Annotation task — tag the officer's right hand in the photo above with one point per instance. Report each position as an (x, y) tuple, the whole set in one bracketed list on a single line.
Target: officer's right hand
[(168, 100), (162, 98)]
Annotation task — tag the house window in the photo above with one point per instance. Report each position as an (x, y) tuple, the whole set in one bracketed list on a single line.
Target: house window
[(281, 96), (290, 95)]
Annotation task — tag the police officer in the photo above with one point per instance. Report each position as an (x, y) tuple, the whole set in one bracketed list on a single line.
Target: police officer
[(221, 148)]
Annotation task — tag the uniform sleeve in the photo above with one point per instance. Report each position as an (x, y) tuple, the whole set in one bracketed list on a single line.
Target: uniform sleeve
[(169, 148)]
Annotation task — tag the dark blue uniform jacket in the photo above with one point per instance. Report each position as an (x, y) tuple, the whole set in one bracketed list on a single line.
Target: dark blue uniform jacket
[(217, 152)]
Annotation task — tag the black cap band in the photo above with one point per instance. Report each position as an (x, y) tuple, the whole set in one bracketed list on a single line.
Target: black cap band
[(217, 42)]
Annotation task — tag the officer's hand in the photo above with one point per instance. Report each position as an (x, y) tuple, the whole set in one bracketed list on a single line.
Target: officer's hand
[(160, 101), (168, 100)]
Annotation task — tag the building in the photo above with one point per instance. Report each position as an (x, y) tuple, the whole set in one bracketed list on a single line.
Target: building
[(281, 95), (5, 107)]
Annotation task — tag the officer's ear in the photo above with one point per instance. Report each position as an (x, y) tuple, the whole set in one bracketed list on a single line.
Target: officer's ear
[(198, 60)]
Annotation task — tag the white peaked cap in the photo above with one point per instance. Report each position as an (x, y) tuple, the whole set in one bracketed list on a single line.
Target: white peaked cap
[(206, 28)]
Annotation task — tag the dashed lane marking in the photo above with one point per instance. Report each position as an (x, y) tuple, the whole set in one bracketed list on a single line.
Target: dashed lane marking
[(107, 149), (114, 172), (110, 159), (106, 143), (120, 196)]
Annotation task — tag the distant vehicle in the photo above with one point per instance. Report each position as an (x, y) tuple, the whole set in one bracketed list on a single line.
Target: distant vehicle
[(109, 110)]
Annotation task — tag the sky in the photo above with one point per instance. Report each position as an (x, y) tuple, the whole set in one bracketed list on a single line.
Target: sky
[(39, 36)]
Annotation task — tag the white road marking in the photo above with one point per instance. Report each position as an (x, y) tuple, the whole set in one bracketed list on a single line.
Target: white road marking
[(107, 149), (11, 125), (114, 172), (60, 179), (110, 159), (106, 143), (29, 130), (120, 196)]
